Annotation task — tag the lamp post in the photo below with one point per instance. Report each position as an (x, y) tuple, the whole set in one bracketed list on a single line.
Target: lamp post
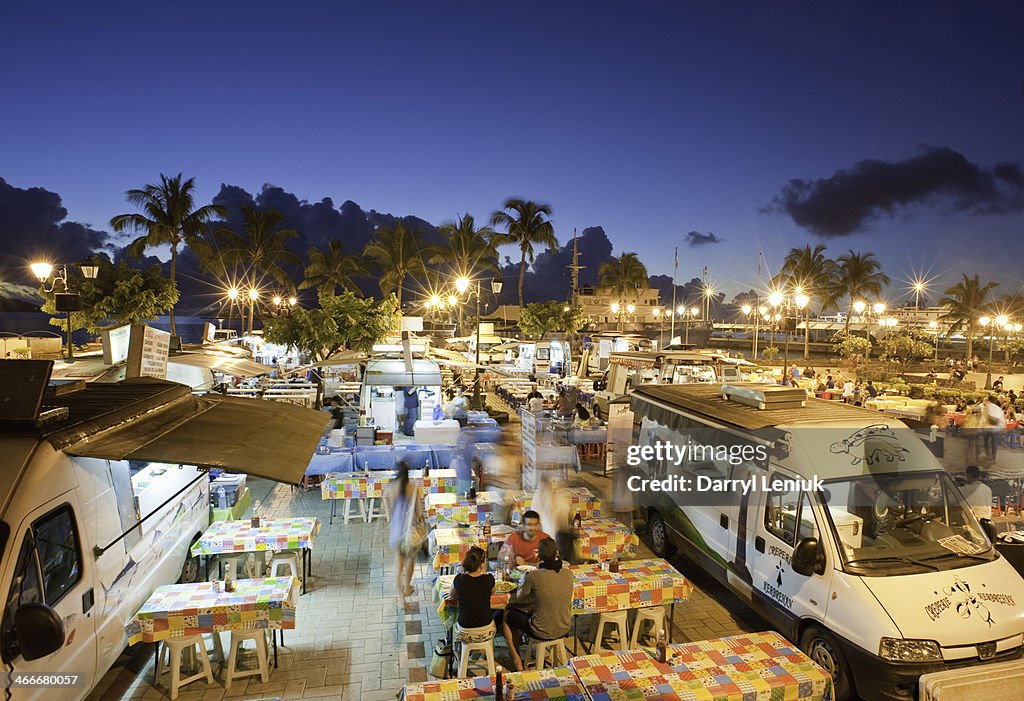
[(463, 284), (694, 311), (782, 305), (253, 295), (661, 326), (66, 301), (934, 326), (984, 322)]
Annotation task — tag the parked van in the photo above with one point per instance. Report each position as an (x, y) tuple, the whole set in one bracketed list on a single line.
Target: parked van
[(100, 502), (629, 370), (879, 570)]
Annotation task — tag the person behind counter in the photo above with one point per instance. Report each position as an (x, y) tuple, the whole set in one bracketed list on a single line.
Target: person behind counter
[(541, 605), (523, 544), (458, 408), (977, 493)]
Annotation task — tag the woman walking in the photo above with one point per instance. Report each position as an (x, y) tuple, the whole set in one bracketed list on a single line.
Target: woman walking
[(407, 530)]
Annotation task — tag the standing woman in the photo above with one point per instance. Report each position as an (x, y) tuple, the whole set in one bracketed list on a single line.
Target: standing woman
[(406, 527)]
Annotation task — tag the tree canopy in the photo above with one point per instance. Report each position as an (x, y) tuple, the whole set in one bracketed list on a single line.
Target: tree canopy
[(343, 322), (541, 318), (120, 294)]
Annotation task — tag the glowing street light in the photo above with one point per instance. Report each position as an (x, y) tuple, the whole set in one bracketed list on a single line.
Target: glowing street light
[(694, 312), (452, 300), (630, 308), (233, 293), (775, 298), (292, 301), (878, 307), (462, 284), (680, 310), (746, 309), (277, 300), (801, 300), (615, 307), (41, 270)]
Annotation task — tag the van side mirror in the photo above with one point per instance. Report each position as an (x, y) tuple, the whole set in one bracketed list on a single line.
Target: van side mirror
[(808, 558), (990, 530), (39, 630)]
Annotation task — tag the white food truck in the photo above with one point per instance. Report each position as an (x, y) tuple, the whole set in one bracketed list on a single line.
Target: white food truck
[(385, 380), (101, 499), (880, 572)]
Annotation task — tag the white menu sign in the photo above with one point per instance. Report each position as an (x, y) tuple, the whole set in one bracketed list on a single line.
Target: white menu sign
[(147, 352)]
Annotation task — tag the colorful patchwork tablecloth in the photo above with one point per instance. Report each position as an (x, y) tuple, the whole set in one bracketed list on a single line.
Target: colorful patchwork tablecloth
[(637, 584), (450, 508), (751, 667), (439, 481), (604, 539), (273, 534), (633, 674), (450, 545), (581, 501), (177, 610), (356, 485), (531, 685)]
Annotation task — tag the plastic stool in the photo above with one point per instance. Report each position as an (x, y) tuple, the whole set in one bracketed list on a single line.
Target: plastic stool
[(654, 615), (379, 509), (349, 513), (616, 619), (285, 558), (238, 637), (486, 647), (540, 650), (174, 647)]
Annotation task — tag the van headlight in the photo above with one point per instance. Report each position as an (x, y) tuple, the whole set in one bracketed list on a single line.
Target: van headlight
[(908, 650)]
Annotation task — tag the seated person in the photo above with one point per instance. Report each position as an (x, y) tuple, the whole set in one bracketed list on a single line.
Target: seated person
[(961, 406), (523, 544), (458, 408), (471, 592), (541, 606), (584, 419), (535, 401)]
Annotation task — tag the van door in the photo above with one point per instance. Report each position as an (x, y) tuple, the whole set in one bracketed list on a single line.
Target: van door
[(52, 568), (781, 520)]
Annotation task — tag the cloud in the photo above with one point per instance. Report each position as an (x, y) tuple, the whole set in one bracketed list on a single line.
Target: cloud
[(696, 238), (33, 227), (848, 200), (549, 277)]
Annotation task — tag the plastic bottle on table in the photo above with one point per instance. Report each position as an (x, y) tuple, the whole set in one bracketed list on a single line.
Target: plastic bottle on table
[(222, 498), (426, 469), (229, 577), (662, 646), (487, 526), (254, 522)]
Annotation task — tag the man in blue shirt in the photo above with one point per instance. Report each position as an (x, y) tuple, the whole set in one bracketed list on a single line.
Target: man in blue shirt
[(412, 409)]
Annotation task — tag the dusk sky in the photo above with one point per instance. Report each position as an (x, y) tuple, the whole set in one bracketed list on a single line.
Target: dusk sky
[(650, 119)]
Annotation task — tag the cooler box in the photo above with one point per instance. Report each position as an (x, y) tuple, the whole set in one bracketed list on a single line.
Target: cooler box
[(233, 486), (445, 431), (983, 682)]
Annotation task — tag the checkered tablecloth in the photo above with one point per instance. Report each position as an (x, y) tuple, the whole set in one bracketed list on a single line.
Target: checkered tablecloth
[(273, 534), (450, 545), (442, 480), (637, 584), (604, 539), (178, 610), (531, 685), (356, 485), (751, 667), (450, 508), (581, 501), (632, 674)]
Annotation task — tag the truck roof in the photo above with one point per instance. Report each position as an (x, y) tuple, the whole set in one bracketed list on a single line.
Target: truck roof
[(706, 400)]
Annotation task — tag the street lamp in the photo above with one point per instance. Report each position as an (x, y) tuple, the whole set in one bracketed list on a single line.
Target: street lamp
[(661, 326), (781, 304), (462, 284), (984, 322), (66, 301), (694, 311), (254, 295), (934, 326)]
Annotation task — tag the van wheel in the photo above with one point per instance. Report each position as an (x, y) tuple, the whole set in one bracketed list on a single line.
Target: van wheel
[(823, 649), (661, 542), (190, 568)]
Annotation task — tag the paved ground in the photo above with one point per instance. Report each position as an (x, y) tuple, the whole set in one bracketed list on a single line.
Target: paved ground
[(355, 641)]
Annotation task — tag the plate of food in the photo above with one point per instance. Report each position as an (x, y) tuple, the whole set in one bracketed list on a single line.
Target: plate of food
[(504, 587), (525, 568)]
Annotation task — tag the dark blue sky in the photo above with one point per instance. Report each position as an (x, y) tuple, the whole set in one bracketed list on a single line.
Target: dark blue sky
[(650, 119)]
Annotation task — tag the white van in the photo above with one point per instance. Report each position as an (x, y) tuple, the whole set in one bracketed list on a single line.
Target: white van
[(881, 572), (99, 505)]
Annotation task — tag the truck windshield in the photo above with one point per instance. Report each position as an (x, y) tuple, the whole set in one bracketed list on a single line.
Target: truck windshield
[(893, 522)]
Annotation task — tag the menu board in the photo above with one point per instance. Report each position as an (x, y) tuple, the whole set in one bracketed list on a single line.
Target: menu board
[(147, 352)]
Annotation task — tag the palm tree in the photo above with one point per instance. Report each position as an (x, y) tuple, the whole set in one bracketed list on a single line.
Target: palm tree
[(261, 248), (470, 249), (398, 252), (965, 302), (169, 216), (328, 270), (527, 224), (811, 271), (859, 275), (623, 276)]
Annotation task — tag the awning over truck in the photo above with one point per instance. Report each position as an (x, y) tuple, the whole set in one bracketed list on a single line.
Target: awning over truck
[(237, 367), (266, 439)]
